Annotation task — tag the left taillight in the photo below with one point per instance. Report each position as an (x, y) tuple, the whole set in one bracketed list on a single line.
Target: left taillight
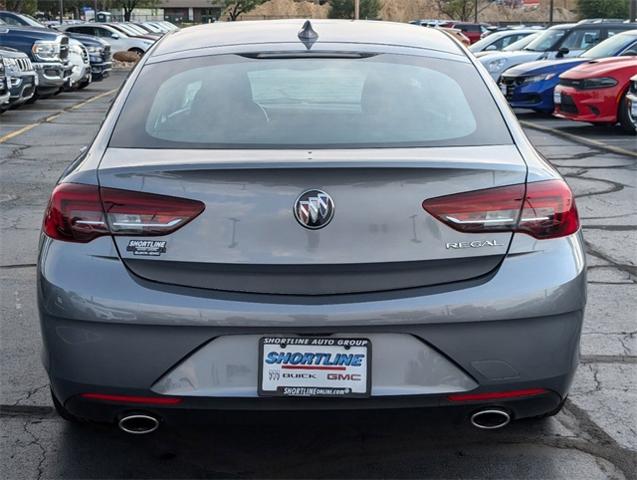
[(80, 213)]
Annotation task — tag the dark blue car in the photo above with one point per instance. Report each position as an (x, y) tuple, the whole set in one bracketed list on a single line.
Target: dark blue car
[(531, 85)]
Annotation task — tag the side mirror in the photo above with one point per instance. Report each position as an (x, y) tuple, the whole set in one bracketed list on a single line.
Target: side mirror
[(114, 36), (562, 52), (490, 48)]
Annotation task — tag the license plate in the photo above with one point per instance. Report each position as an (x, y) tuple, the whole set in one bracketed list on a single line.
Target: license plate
[(557, 97), (314, 367)]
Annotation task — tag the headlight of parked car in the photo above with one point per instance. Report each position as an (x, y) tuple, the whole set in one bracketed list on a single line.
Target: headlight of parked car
[(496, 65), (46, 50), (601, 82), (539, 78)]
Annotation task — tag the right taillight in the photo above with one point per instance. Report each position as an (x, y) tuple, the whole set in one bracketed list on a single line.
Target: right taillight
[(543, 209), (80, 213)]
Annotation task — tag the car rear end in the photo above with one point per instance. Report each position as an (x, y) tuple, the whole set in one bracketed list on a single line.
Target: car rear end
[(310, 224)]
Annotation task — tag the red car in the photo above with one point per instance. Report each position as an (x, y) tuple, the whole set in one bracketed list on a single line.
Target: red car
[(473, 31), (596, 92)]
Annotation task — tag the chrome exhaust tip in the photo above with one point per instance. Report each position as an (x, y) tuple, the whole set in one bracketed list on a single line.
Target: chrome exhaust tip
[(138, 424), (490, 419)]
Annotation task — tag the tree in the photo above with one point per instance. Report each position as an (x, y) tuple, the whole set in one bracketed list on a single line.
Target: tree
[(22, 6), (234, 8), (345, 9), (603, 8), (463, 10), (129, 5)]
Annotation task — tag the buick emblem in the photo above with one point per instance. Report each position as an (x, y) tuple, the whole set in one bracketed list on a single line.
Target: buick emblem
[(314, 209)]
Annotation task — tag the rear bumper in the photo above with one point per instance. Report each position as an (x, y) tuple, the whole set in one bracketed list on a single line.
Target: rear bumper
[(105, 330)]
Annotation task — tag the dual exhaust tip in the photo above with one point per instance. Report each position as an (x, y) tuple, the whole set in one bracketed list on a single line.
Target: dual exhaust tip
[(485, 419)]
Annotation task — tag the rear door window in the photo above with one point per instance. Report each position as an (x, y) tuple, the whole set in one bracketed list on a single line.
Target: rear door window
[(230, 101)]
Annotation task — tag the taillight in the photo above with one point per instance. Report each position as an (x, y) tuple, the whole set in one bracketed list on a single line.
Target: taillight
[(80, 213), (543, 209)]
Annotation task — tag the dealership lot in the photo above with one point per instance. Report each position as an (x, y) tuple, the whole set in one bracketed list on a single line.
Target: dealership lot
[(594, 437)]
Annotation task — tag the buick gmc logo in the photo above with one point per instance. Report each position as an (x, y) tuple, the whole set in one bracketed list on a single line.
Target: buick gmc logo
[(314, 209)]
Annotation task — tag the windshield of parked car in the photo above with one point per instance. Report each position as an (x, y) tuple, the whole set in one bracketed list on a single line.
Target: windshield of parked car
[(230, 101), (521, 43), (546, 41), (612, 46)]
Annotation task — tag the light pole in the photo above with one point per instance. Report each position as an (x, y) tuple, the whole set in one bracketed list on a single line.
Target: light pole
[(633, 10), (357, 9), (551, 13), (475, 12), (61, 11)]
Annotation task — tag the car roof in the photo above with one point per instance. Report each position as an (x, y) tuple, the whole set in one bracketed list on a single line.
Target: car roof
[(221, 34)]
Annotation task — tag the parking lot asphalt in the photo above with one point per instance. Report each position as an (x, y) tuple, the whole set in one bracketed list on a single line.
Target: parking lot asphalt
[(595, 436)]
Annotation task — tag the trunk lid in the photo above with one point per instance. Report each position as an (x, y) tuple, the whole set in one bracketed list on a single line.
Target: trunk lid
[(248, 240)]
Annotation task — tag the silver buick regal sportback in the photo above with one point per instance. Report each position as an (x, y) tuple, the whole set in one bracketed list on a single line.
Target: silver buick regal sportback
[(295, 215)]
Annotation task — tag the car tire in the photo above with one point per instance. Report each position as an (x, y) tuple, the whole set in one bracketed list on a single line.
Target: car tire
[(83, 85), (63, 412), (626, 120)]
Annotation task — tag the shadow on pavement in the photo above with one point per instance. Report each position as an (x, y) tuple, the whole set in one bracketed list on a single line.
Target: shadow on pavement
[(318, 444)]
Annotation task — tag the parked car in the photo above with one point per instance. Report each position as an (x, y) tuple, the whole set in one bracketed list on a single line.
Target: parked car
[(632, 102), (79, 59), (514, 47), (598, 92), (473, 31), (99, 52), (568, 40), (23, 77), (499, 40), (531, 85), (217, 265), (5, 82), (154, 27), (133, 31), (457, 34), (48, 51), (20, 19), (118, 40)]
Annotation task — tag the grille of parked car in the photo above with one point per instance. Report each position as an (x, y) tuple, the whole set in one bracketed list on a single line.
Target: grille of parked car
[(107, 53), (568, 105), (510, 83), (24, 64)]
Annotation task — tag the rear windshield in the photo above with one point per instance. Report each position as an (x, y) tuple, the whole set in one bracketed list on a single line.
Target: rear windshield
[(231, 101)]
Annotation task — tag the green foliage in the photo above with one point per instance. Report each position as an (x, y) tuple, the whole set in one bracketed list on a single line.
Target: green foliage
[(234, 8), (603, 8), (22, 6), (345, 9)]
